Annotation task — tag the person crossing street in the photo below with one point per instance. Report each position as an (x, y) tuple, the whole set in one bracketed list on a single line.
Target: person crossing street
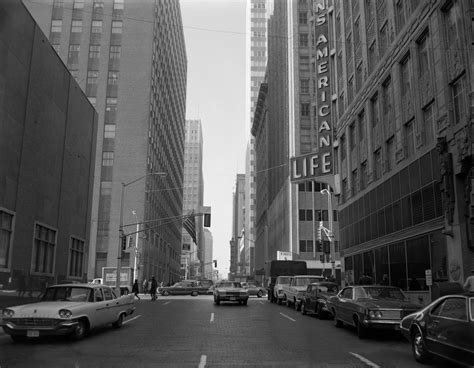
[(153, 288)]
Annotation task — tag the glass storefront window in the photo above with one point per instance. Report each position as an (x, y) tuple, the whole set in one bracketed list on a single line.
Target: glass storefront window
[(398, 265), (418, 260), (381, 264)]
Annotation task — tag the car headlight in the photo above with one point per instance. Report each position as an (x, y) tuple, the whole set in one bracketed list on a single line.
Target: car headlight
[(8, 313), (65, 313), (375, 314)]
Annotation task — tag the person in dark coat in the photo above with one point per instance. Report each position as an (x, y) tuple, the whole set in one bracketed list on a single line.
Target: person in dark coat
[(135, 289), (153, 287)]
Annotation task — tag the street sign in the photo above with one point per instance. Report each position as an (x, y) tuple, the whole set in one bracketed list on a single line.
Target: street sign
[(428, 277)]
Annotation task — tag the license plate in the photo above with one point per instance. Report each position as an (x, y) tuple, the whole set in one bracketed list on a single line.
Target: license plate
[(232, 299), (32, 333)]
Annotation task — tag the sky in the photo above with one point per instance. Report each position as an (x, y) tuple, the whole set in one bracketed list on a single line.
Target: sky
[(214, 32)]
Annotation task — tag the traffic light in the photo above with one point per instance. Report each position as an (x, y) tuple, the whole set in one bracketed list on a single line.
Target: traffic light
[(215, 263), (321, 258), (318, 231), (124, 242), (207, 220)]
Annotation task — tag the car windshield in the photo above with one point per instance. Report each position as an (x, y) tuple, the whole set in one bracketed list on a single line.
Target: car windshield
[(303, 281), (66, 293), (229, 285), (381, 293), (284, 280), (327, 288)]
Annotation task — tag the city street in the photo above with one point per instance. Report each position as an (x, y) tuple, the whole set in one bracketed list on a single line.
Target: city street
[(185, 331)]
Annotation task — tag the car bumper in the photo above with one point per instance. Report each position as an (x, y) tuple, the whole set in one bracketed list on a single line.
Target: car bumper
[(61, 328), (387, 324), (229, 298)]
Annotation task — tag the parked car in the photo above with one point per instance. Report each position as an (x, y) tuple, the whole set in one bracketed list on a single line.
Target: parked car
[(366, 307), (315, 298), (230, 291), (444, 328), (280, 282), (208, 285), (184, 287), (297, 287), (254, 289), (67, 309)]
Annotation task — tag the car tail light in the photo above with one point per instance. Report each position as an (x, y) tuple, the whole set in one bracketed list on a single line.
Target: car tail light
[(65, 313), (8, 313)]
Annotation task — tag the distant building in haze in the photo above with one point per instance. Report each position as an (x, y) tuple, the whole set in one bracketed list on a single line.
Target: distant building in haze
[(238, 215), (130, 59)]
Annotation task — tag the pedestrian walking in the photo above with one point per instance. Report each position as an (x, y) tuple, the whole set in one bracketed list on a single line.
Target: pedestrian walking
[(145, 286), (469, 283), (135, 289), (153, 287)]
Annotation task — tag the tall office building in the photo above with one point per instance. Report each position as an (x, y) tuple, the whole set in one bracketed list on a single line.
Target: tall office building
[(208, 256), (129, 57), (403, 94), (257, 15), (192, 254), (238, 216), (48, 137), (291, 123)]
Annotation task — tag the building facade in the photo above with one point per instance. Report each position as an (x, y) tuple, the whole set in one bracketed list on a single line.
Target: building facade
[(208, 272), (47, 149), (129, 57), (402, 90), (192, 255)]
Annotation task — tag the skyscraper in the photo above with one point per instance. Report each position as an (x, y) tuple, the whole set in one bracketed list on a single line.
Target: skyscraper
[(129, 58), (192, 255)]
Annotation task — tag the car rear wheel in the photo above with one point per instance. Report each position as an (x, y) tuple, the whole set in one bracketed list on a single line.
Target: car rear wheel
[(303, 308), (319, 311), (337, 322), (279, 301), (297, 305), (419, 348), (244, 302), (165, 293), (260, 293), (119, 322), (79, 331)]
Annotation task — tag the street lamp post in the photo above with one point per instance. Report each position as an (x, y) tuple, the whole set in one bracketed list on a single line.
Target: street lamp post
[(135, 250), (330, 233), (121, 233)]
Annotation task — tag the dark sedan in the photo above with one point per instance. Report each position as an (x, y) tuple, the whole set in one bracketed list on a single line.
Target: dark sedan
[(444, 328), (315, 298), (184, 287), (366, 307)]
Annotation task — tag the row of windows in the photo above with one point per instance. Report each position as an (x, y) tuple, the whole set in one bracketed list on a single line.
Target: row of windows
[(44, 248), (319, 215), (76, 26), (79, 4), (307, 246)]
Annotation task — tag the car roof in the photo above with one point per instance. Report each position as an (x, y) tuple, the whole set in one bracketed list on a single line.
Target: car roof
[(86, 285), (323, 283)]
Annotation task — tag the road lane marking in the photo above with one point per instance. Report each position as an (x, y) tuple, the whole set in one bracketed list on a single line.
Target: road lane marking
[(167, 303), (212, 317), (291, 319), (202, 363), (131, 319), (365, 360)]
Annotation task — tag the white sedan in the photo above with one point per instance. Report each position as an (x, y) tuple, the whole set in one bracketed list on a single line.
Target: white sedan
[(230, 291), (68, 309)]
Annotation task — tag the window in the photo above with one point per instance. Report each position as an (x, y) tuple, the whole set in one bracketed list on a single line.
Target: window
[(92, 76), (409, 139), (355, 182), (428, 124), (118, 4), (43, 250), (98, 4), (423, 55), (76, 26), (76, 258), (113, 78), (56, 26), (459, 99), (108, 158), (6, 228), (303, 18), (305, 109), (78, 4), (304, 86), (109, 131), (115, 52), (96, 26), (352, 137), (390, 154), (405, 76), (363, 175), (306, 245), (73, 56), (377, 164), (116, 26), (387, 97), (372, 57), (362, 132), (454, 308), (375, 111), (94, 51), (58, 3), (303, 40)]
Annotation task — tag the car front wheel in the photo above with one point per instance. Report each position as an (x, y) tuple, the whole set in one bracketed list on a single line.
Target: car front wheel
[(244, 302), (18, 338), (79, 331), (418, 347), (194, 293), (361, 330), (165, 293), (217, 301), (260, 293), (119, 322)]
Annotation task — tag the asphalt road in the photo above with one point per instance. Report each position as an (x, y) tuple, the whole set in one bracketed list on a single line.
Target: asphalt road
[(193, 332)]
